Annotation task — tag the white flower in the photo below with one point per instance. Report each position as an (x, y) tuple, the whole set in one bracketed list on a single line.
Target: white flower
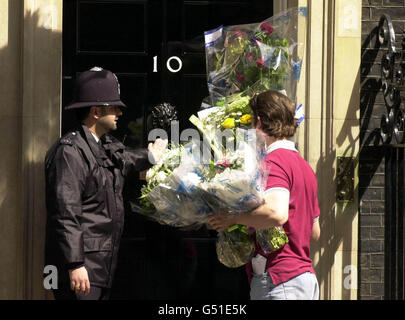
[(149, 175), (161, 176)]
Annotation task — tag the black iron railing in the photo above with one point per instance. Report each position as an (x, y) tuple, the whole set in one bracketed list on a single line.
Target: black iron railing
[(393, 138), (392, 83)]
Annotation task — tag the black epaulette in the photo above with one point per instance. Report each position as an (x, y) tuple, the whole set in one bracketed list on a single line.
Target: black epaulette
[(68, 139)]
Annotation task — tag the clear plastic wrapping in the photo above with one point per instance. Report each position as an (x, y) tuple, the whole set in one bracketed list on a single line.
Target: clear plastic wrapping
[(170, 192), (257, 56), (235, 247), (184, 188), (271, 239)]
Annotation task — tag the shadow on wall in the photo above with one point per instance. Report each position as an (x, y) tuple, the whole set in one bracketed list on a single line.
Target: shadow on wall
[(42, 130), (370, 87), (370, 136), (335, 217), (368, 139), (371, 109), (33, 104), (372, 154)]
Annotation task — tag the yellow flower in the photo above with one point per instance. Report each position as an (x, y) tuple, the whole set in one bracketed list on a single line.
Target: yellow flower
[(229, 123), (246, 119)]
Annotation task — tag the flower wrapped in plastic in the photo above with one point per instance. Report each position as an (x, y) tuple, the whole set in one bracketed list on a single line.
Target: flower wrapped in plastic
[(256, 57), (168, 196), (182, 189), (241, 60), (235, 246), (235, 181), (241, 174), (236, 114), (271, 239)]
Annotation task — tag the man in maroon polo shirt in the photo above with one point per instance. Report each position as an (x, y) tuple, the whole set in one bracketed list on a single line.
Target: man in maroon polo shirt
[(290, 201)]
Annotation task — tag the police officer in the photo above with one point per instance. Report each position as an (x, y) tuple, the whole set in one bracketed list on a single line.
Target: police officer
[(84, 179)]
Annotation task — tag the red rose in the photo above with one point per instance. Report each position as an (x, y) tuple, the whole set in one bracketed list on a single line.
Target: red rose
[(266, 28), (250, 56), (260, 63), (240, 77)]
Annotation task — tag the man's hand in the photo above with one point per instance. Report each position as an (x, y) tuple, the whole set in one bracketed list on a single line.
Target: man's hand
[(79, 280), (220, 223), (157, 148)]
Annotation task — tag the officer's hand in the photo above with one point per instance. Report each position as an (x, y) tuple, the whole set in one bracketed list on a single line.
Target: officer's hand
[(79, 280), (157, 148)]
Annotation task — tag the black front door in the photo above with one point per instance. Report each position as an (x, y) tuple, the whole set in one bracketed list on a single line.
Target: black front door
[(156, 48)]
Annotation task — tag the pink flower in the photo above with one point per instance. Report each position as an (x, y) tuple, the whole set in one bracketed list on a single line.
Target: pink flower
[(240, 77), (238, 33), (250, 56), (266, 28), (260, 63), (223, 162)]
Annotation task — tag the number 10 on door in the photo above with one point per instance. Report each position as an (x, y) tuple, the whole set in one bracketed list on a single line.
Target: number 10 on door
[(173, 64)]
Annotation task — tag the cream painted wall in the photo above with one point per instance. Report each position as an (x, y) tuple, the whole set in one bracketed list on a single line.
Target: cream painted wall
[(346, 100), (41, 89), (11, 212), (30, 60), (332, 98)]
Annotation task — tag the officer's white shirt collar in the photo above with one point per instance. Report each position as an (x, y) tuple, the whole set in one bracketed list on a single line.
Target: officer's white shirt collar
[(95, 137), (281, 144)]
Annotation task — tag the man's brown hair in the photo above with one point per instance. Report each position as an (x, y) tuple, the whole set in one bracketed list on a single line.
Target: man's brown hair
[(276, 114)]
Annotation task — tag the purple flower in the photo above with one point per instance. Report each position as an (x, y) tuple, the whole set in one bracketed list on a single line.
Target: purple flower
[(254, 42)]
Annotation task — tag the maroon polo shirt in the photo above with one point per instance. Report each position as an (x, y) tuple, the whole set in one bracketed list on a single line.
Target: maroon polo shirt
[(288, 170)]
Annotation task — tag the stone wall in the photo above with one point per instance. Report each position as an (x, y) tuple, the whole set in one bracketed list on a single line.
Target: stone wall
[(30, 94)]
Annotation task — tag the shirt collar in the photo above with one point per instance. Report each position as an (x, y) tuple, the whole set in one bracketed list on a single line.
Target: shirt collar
[(281, 144), (95, 137), (97, 150)]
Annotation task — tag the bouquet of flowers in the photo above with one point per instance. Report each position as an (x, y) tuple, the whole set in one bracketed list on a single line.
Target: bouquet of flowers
[(165, 198), (243, 60), (237, 185), (256, 57), (235, 246), (272, 239), (182, 189), (224, 118)]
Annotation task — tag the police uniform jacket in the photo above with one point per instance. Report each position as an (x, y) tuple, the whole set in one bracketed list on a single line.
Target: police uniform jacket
[(84, 181)]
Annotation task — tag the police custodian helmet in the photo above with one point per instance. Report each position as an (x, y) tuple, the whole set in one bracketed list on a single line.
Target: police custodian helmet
[(96, 87)]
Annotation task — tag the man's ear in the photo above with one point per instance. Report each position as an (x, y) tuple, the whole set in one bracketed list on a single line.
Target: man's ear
[(94, 113), (258, 123)]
